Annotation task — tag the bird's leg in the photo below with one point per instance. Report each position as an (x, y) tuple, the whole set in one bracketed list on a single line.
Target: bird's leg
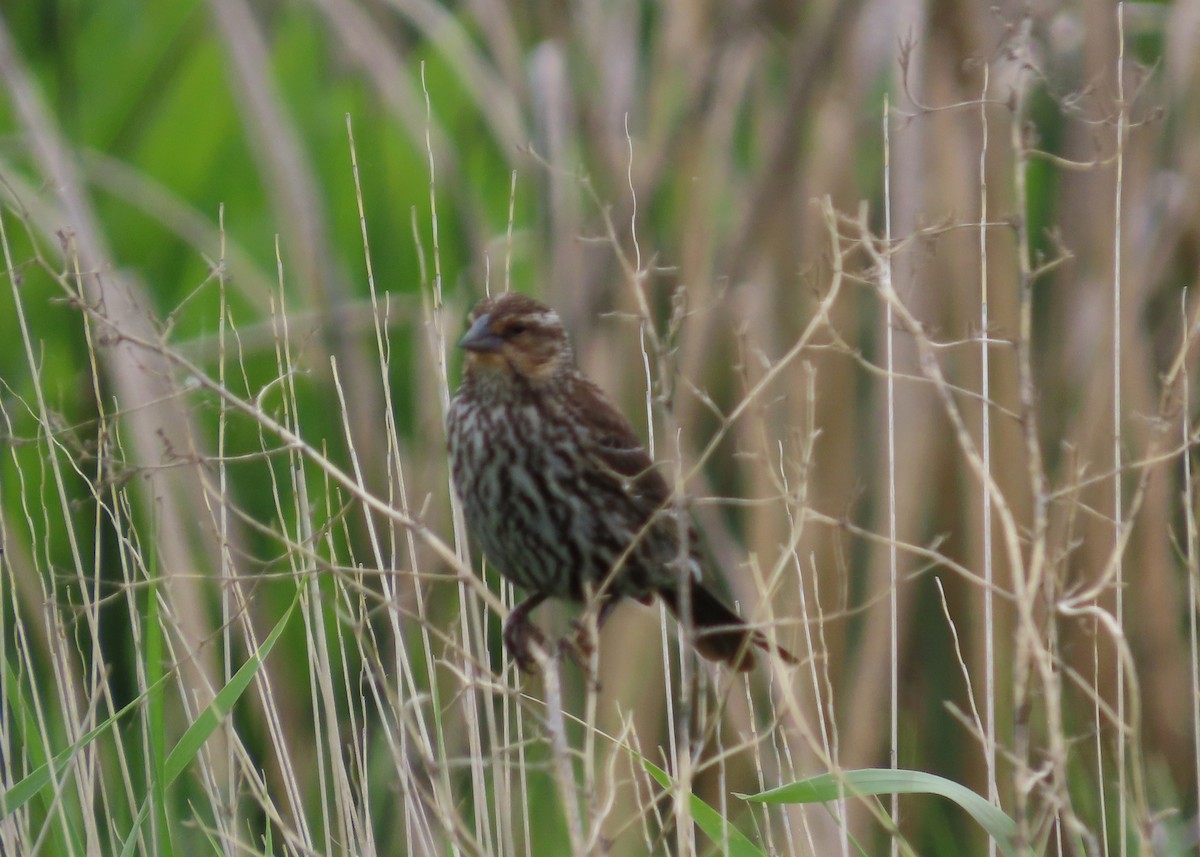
[(584, 641), (519, 632), (581, 645)]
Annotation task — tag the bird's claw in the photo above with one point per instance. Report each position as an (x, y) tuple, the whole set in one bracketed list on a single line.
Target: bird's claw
[(519, 633), (580, 647), (583, 640)]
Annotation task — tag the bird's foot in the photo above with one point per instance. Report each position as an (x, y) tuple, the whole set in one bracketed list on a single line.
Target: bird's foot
[(583, 638), (580, 646), (519, 634)]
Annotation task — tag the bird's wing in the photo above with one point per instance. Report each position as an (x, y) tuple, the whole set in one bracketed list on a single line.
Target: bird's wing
[(616, 447)]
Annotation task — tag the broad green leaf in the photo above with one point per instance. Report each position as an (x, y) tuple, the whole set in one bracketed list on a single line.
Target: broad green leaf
[(884, 781)]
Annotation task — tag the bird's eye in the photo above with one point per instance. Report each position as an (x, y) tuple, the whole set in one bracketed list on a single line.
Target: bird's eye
[(516, 329)]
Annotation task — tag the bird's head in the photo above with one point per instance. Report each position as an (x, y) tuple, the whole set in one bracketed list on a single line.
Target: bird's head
[(513, 336)]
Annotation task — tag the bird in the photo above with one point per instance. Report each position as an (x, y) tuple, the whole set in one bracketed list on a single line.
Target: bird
[(561, 494)]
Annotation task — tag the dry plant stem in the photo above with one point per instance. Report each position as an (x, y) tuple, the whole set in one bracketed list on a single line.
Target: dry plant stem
[(606, 803), (521, 768), (357, 707), (1082, 603), (885, 274), (237, 607), (1028, 630), (976, 722), (679, 710), (985, 430), (826, 727), (818, 323), (1192, 545), (1118, 553), (396, 483), (815, 738), (1028, 578), (564, 771), (646, 789), (590, 627), (508, 235), (466, 584), (78, 694), (1103, 799), (139, 385), (300, 564), (97, 682), (470, 584), (251, 409), (929, 555), (225, 560), (60, 660), (421, 732), (767, 827), (110, 509), (394, 615)]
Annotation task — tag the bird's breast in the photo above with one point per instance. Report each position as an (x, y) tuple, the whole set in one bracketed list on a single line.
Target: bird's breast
[(541, 507)]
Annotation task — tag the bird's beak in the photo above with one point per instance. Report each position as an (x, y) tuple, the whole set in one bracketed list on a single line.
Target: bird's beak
[(480, 337)]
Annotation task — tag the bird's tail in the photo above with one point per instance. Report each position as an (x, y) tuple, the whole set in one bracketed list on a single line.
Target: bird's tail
[(720, 634)]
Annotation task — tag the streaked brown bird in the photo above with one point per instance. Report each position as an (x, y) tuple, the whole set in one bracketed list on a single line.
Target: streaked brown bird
[(560, 493)]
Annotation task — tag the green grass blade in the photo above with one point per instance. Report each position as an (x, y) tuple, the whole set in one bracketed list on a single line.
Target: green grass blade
[(156, 717), (188, 746), (203, 726), (183, 752), (39, 777), (884, 781), (710, 821)]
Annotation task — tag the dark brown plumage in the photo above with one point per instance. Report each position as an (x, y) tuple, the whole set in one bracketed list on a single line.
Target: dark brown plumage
[(559, 491)]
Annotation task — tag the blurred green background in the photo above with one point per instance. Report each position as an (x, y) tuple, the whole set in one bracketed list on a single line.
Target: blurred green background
[(185, 170)]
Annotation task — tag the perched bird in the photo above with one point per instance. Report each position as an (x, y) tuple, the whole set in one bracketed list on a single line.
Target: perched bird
[(560, 493)]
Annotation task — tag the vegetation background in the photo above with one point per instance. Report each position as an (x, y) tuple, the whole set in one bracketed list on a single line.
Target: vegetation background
[(932, 393)]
